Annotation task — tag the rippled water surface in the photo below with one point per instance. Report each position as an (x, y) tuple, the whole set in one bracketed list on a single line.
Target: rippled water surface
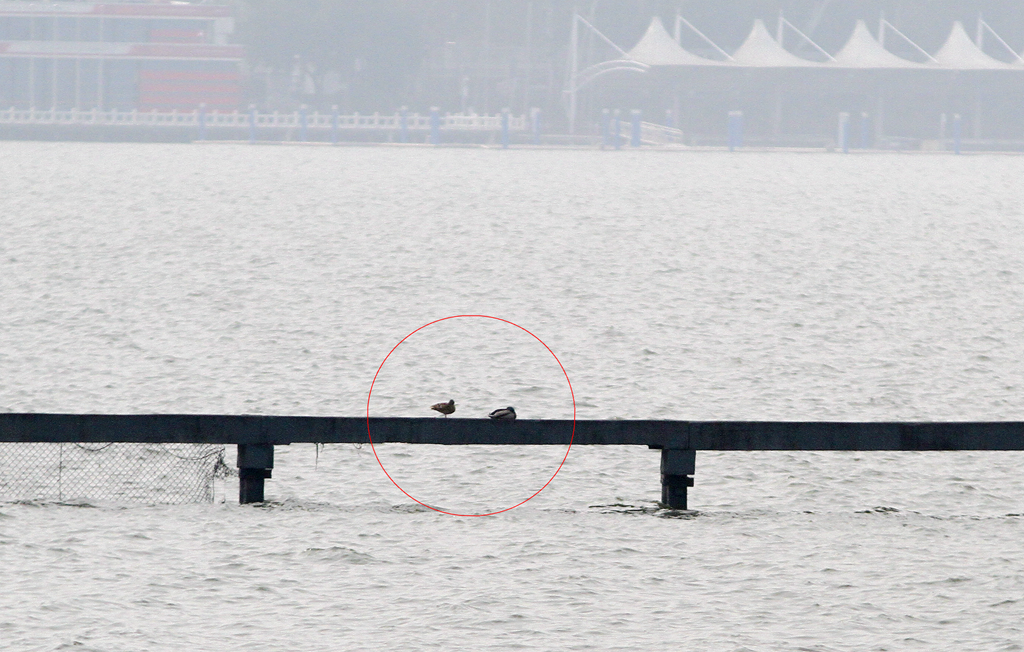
[(274, 280)]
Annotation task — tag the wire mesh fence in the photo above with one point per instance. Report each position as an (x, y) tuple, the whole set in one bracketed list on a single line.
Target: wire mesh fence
[(111, 472)]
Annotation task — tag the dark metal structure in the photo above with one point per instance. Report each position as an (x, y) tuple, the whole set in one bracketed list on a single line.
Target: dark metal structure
[(678, 441)]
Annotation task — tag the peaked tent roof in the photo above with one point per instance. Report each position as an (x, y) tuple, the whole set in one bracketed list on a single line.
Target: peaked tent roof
[(657, 48), (960, 53), (864, 51), (760, 50)]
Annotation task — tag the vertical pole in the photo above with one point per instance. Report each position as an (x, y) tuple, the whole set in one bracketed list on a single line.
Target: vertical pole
[(403, 134), (535, 124), (863, 129), (303, 131), (735, 130), (677, 465), (100, 100), (435, 125), (606, 128), (634, 139), (528, 55), (843, 133), (957, 128), (574, 40), (334, 124), (255, 464), (202, 121), (504, 128), (617, 132), (252, 124), (670, 119)]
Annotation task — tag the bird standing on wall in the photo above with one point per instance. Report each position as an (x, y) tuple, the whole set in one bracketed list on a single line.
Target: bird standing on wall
[(444, 408), (504, 414)]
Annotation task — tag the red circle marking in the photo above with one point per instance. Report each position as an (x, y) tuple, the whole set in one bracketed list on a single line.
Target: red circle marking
[(571, 393)]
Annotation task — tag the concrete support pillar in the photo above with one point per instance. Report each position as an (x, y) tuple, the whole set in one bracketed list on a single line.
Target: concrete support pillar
[(677, 465), (255, 463)]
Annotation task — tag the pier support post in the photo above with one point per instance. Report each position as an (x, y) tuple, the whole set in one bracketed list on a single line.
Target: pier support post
[(843, 133), (957, 132), (735, 130), (255, 463), (435, 125), (676, 468), (202, 121), (504, 128)]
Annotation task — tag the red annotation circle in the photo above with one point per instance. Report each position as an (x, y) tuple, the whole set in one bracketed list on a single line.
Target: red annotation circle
[(370, 434)]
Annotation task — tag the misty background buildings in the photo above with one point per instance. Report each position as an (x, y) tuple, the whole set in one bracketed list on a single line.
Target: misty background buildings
[(482, 56)]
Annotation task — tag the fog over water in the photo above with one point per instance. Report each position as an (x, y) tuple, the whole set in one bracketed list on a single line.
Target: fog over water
[(274, 280)]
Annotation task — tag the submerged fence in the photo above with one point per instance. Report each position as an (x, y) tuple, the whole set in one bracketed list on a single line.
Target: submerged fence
[(678, 441)]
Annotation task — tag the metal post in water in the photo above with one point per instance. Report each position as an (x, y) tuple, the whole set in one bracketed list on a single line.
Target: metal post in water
[(864, 121), (435, 125), (334, 124), (957, 128), (303, 133), (843, 133), (504, 128), (202, 121), (735, 130), (617, 131), (255, 464), (535, 124), (634, 139), (403, 117), (252, 124), (677, 465)]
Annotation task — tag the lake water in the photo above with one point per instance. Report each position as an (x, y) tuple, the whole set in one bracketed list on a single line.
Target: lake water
[(274, 280)]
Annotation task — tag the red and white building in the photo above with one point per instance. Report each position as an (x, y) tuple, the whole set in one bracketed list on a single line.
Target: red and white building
[(139, 55)]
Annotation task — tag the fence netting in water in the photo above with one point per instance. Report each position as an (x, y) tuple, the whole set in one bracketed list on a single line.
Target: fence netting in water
[(111, 472)]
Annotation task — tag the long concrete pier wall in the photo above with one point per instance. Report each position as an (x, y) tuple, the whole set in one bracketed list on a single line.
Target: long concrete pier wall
[(678, 441)]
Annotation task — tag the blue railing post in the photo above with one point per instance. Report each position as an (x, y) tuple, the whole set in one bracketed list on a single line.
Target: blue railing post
[(334, 124), (606, 128), (504, 128), (403, 132), (617, 131), (303, 133), (843, 133), (435, 125), (957, 125), (202, 121), (535, 124), (735, 130), (252, 124), (634, 139), (863, 130)]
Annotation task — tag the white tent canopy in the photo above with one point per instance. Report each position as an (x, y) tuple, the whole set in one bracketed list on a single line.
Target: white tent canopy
[(960, 53), (760, 50), (861, 52), (657, 48), (864, 51)]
